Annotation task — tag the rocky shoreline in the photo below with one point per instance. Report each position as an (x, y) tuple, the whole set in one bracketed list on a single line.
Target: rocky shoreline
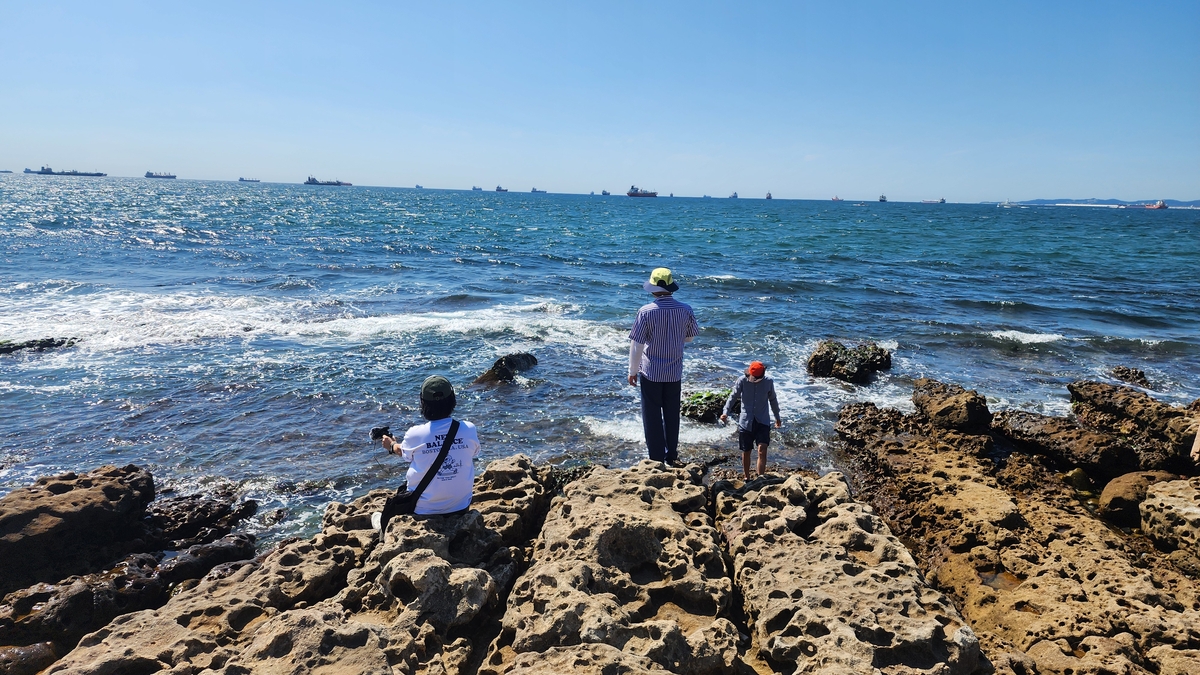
[(959, 541)]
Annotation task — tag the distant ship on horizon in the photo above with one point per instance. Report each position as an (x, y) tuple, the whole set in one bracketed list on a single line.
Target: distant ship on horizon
[(5, 171), (883, 198), (837, 198), (934, 201), (1160, 204), (604, 193), (768, 195), (420, 187), (313, 181), (537, 191), (47, 171), (500, 189), (635, 191), (733, 196), (151, 174), (247, 180), (475, 188)]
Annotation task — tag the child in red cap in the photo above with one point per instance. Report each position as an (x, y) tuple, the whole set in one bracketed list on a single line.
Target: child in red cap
[(756, 391)]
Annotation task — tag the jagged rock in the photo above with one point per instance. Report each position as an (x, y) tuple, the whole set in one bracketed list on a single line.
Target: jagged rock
[(64, 612), (26, 660), (341, 601), (1171, 514), (96, 517), (1101, 455), (1159, 433), (197, 519), (1131, 375), (1122, 497), (950, 406), (7, 347), (627, 559), (827, 587), (506, 367), (706, 406), (1035, 574), (851, 364)]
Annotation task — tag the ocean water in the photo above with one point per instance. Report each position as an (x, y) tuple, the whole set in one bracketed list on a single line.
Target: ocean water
[(247, 336)]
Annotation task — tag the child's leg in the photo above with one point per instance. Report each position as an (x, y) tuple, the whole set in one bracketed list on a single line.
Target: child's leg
[(762, 459), (746, 464)]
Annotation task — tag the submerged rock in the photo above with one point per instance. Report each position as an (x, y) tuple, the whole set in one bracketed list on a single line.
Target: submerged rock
[(7, 347), (505, 368), (851, 364)]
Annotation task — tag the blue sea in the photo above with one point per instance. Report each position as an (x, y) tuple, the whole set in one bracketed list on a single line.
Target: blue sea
[(247, 336)]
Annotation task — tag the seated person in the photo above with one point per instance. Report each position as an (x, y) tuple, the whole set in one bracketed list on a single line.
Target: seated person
[(450, 490)]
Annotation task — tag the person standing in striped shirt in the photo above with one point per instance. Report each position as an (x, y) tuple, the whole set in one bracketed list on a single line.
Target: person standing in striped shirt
[(656, 361)]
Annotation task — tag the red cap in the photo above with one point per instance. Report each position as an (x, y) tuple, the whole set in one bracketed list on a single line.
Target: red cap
[(756, 369)]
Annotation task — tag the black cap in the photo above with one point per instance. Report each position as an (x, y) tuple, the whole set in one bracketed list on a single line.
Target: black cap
[(436, 388)]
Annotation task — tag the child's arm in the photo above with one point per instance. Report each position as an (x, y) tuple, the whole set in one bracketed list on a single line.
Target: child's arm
[(774, 401), (734, 394)]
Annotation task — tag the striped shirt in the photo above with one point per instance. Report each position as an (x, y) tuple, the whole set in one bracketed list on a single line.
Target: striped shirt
[(663, 326)]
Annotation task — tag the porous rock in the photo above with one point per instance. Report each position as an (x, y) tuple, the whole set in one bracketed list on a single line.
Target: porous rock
[(827, 588), (419, 601), (1122, 497), (1160, 434), (851, 364), (26, 659), (96, 516), (1101, 455), (1131, 375), (950, 406), (1037, 577), (506, 367), (189, 520), (1171, 514), (627, 559)]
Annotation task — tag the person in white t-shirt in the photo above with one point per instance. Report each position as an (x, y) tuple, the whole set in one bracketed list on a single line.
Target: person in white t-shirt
[(451, 488)]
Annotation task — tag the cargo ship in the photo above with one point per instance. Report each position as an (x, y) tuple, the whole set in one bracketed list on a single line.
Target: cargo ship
[(500, 189), (635, 191), (1160, 204), (837, 198), (47, 171), (247, 180), (5, 171), (604, 193), (537, 191), (733, 196), (314, 181), (883, 198), (476, 189), (151, 174), (768, 195), (934, 201)]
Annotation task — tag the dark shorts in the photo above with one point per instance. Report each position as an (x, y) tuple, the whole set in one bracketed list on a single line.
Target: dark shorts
[(759, 434)]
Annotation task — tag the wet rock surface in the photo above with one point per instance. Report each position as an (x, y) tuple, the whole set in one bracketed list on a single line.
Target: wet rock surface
[(851, 364), (1133, 376), (1101, 455), (706, 406), (949, 406), (506, 367), (827, 588), (1160, 434), (40, 345), (1045, 584)]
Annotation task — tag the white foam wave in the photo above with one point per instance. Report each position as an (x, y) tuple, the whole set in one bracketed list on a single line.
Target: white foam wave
[(630, 429), (1025, 338), (122, 319)]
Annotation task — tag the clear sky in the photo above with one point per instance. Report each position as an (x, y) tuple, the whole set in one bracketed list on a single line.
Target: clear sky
[(964, 100)]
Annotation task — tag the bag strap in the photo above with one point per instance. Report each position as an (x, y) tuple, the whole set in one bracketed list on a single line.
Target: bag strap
[(437, 463)]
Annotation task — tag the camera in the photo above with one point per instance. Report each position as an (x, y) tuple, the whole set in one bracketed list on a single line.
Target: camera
[(377, 433)]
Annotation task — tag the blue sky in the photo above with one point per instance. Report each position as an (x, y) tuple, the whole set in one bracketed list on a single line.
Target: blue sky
[(967, 101)]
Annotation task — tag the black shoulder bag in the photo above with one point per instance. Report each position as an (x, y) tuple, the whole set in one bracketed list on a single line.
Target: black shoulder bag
[(405, 500)]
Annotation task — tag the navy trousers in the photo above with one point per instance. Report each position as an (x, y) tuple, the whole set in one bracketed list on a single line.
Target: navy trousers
[(660, 418)]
